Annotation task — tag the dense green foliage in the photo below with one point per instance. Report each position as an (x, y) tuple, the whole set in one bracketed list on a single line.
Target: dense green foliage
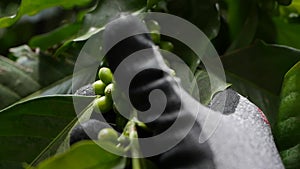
[(257, 40)]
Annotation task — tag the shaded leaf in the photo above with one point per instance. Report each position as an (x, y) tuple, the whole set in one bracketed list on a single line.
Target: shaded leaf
[(29, 26), (185, 53), (15, 81), (237, 13), (61, 143), (43, 75), (64, 32), (84, 155), (287, 33), (85, 115), (265, 22), (268, 102), (206, 90), (63, 86), (246, 34), (56, 36), (51, 69), (196, 82), (28, 127), (33, 7), (95, 21), (7, 96), (203, 14), (262, 64)]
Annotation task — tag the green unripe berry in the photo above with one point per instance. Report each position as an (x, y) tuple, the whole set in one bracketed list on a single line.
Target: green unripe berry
[(108, 134), (99, 87), (105, 75), (109, 90), (153, 25), (154, 29), (168, 46), (172, 72), (155, 36), (104, 104)]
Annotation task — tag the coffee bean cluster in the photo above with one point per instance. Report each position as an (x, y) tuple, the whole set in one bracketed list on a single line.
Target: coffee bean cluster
[(104, 88)]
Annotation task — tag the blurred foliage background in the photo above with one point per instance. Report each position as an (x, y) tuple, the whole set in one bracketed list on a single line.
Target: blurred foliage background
[(258, 42)]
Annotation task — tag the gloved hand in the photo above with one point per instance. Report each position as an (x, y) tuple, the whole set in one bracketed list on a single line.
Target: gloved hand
[(243, 139)]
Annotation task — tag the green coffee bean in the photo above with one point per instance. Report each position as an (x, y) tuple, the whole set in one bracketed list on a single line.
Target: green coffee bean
[(105, 75), (104, 104), (168, 46), (108, 134), (99, 87)]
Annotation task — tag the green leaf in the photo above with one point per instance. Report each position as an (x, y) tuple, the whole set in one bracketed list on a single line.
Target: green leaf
[(237, 13), (61, 142), (82, 76), (59, 77), (84, 155), (205, 89), (33, 7), (246, 34), (7, 96), (268, 102), (262, 64), (287, 24), (28, 127), (71, 82), (52, 75), (288, 126), (291, 157), (14, 81), (64, 145), (265, 22), (64, 33), (95, 21), (290, 94), (287, 33), (203, 14), (195, 82), (288, 132), (62, 86), (185, 53), (51, 69), (257, 72), (56, 36)]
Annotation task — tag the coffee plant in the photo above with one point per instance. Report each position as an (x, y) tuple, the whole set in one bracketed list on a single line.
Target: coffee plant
[(41, 41)]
